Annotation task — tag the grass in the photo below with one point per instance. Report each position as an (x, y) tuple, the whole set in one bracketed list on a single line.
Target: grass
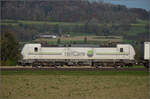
[(73, 84), (136, 28), (29, 22), (9, 21), (79, 73)]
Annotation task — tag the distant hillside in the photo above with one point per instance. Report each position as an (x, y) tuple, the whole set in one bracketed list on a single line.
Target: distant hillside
[(27, 18), (71, 11)]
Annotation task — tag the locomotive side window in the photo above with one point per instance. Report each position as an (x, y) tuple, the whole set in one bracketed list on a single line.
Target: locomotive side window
[(121, 49), (35, 49)]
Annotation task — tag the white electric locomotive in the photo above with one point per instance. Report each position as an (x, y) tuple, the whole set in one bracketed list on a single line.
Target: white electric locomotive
[(38, 55)]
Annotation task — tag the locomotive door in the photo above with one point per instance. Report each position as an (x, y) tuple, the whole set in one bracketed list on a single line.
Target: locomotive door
[(123, 52)]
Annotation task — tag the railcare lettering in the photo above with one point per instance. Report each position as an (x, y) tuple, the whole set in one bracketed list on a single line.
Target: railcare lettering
[(74, 53)]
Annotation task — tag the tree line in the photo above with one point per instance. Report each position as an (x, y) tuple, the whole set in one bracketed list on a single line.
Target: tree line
[(71, 11), (9, 48)]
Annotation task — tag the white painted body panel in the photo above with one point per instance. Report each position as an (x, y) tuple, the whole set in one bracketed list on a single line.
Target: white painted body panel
[(78, 52), (147, 50)]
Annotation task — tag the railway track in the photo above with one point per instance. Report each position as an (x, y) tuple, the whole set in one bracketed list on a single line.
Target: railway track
[(75, 69)]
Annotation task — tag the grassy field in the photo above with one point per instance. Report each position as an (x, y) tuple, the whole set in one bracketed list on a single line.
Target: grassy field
[(12, 22), (17, 22), (74, 85), (136, 28)]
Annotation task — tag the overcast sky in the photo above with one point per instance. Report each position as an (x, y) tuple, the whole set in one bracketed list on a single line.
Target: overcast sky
[(131, 3)]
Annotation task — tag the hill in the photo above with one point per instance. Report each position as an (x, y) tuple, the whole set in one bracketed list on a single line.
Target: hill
[(71, 11), (75, 17)]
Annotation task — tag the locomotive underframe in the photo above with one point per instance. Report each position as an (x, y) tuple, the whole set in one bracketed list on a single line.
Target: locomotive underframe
[(76, 62)]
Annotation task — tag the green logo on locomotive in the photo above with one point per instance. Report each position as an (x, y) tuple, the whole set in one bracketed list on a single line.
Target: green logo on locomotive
[(90, 53)]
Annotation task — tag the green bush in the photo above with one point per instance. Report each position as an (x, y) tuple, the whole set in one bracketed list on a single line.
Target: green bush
[(8, 63), (9, 48)]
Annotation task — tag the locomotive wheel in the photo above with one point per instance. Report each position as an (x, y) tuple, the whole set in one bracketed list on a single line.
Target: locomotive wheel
[(146, 65), (35, 64)]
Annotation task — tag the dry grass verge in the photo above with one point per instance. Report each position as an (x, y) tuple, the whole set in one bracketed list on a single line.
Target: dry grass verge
[(74, 87)]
